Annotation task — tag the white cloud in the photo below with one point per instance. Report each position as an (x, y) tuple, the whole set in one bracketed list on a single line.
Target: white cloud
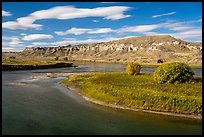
[(150, 33), (181, 30), (17, 25), (5, 38), (79, 31), (23, 34), (69, 39), (6, 13), (40, 43), (110, 2), (138, 29), (176, 26), (72, 41), (192, 32), (86, 41), (185, 30), (36, 37), (166, 14), (7, 49), (100, 30), (189, 34), (95, 20), (117, 16), (15, 41), (11, 41), (194, 21), (180, 26), (75, 31), (65, 13), (13, 49)]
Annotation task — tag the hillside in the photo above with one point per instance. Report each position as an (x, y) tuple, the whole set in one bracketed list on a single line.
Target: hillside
[(143, 49)]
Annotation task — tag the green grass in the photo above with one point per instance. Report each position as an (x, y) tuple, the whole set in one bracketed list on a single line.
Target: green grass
[(140, 91), (30, 62), (20, 64)]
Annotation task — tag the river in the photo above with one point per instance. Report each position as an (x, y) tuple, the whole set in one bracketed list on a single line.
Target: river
[(42, 106)]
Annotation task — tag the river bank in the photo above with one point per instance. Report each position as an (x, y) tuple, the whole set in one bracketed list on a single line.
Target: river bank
[(113, 105), (74, 89), (126, 62), (13, 67), (145, 96), (12, 64)]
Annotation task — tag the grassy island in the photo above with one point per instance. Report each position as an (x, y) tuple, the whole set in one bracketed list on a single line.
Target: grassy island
[(140, 91), (19, 64)]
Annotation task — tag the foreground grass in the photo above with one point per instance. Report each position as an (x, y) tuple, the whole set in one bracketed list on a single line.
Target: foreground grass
[(140, 91)]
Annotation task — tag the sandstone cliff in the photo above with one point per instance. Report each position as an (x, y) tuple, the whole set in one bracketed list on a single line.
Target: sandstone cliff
[(144, 49)]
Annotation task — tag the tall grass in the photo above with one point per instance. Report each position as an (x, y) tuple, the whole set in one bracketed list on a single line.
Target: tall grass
[(140, 91)]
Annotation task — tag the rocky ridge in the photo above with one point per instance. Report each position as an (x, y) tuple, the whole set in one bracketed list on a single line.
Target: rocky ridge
[(143, 49)]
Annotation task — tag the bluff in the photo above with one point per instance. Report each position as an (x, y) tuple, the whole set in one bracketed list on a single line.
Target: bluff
[(143, 49)]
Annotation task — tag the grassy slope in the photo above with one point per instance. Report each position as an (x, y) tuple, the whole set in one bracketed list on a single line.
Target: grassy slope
[(140, 91)]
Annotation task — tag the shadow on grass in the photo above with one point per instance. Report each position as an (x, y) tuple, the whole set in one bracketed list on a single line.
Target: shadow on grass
[(198, 79)]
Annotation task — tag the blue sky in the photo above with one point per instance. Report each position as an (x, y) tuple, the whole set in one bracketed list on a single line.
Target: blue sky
[(40, 24)]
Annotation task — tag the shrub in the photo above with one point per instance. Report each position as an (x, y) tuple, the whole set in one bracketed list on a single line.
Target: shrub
[(175, 72), (65, 58), (12, 57), (133, 68), (56, 58)]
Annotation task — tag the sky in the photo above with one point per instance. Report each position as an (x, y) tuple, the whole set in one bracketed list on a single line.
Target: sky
[(47, 24)]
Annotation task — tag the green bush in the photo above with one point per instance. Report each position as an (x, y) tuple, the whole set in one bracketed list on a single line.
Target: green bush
[(133, 68), (175, 72)]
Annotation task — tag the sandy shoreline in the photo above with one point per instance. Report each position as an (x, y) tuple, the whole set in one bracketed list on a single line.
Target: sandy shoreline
[(54, 75)]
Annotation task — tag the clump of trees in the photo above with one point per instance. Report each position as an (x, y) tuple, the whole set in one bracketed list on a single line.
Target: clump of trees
[(133, 68), (12, 57), (175, 72)]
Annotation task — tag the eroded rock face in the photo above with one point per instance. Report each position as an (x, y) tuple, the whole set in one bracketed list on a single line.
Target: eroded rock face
[(145, 49)]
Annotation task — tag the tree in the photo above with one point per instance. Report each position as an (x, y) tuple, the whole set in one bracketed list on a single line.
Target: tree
[(133, 68)]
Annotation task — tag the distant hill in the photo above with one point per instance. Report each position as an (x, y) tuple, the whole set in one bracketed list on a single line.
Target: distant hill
[(143, 49)]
